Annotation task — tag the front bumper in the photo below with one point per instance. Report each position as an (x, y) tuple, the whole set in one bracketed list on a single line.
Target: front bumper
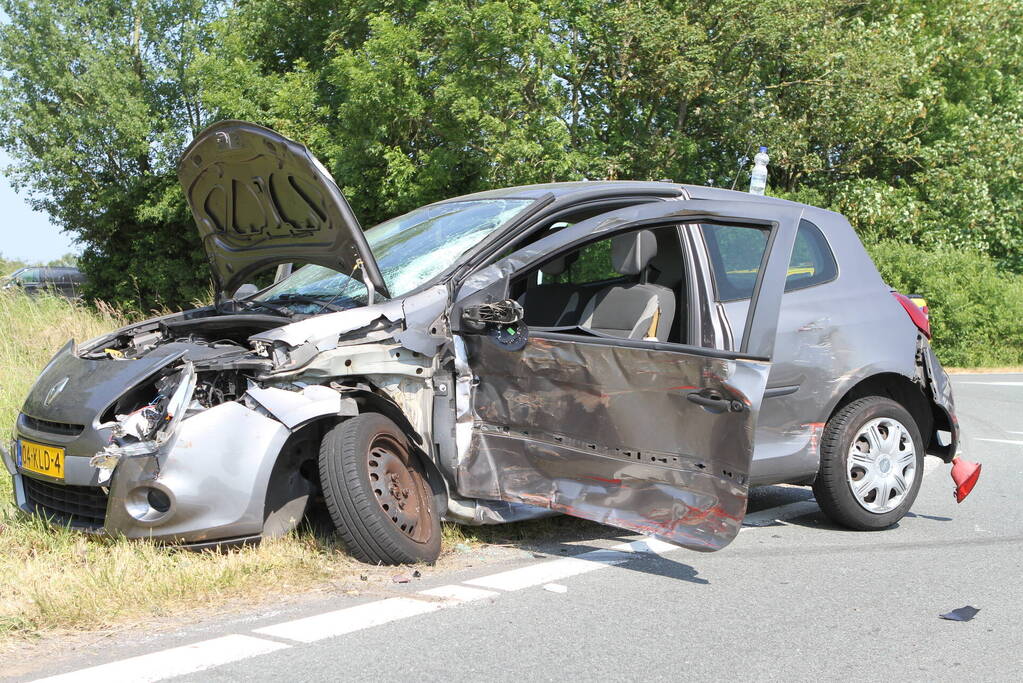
[(212, 475)]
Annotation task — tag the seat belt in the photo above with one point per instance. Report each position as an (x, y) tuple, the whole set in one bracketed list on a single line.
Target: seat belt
[(651, 333)]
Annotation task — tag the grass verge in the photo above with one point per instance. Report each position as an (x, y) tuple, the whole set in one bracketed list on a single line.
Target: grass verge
[(986, 371), (56, 580)]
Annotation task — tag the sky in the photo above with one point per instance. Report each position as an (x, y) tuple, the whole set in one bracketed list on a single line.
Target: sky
[(25, 234)]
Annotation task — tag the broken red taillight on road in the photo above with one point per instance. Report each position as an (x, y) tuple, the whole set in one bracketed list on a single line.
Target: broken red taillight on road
[(918, 315), (965, 475)]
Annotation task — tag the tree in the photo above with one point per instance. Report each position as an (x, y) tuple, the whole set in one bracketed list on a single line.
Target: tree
[(96, 103), (903, 114)]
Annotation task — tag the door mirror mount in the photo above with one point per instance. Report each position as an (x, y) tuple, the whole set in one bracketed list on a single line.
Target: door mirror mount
[(500, 321), (479, 318)]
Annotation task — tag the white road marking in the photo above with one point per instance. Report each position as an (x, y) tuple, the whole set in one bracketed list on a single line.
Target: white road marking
[(548, 572), (555, 588), (459, 593), (932, 463), (342, 621), (996, 384), (207, 654), (177, 661), (1018, 443)]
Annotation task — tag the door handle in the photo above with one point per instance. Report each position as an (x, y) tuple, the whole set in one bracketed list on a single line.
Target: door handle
[(715, 402)]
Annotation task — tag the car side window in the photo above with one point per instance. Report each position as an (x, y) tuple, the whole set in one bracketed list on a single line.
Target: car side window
[(29, 276), (813, 262), (590, 264), (736, 254)]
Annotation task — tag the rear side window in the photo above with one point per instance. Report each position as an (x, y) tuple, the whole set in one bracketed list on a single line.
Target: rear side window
[(592, 264), (29, 276), (813, 262), (736, 254)]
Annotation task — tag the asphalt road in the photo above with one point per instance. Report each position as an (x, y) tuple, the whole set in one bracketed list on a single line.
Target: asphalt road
[(792, 598)]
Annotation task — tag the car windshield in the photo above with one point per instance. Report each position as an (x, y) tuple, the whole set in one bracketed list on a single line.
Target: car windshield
[(410, 250)]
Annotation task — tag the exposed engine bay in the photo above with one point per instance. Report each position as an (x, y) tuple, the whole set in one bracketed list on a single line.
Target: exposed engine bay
[(216, 346)]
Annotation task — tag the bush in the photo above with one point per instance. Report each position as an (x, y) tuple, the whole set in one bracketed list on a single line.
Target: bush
[(976, 309)]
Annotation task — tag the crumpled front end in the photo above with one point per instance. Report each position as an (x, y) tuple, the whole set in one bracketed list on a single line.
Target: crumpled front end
[(170, 469), (213, 436)]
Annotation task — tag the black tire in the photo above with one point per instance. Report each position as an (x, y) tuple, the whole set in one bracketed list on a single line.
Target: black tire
[(408, 530), (833, 487)]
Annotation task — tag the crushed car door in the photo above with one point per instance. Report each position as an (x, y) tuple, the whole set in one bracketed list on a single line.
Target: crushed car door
[(649, 436)]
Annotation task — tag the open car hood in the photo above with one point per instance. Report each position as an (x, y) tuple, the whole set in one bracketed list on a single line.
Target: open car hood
[(260, 199)]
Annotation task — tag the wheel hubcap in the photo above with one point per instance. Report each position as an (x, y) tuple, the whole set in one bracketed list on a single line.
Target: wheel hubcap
[(881, 466), (399, 488)]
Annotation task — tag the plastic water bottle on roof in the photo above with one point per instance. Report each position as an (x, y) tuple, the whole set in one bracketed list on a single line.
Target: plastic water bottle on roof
[(758, 178)]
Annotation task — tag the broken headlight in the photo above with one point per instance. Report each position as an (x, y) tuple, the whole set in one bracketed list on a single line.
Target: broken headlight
[(147, 429)]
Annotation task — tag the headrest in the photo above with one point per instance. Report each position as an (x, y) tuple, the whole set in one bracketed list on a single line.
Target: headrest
[(558, 265), (631, 253)]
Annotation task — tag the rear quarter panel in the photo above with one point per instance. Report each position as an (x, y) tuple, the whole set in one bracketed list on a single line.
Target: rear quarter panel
[(830, 337)]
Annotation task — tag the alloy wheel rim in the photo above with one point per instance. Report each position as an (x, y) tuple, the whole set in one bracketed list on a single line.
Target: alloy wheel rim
[(881, 466), (399, 487)]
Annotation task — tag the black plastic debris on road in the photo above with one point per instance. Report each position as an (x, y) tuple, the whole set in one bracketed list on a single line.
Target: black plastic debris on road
[(961, 614), (765, 523)]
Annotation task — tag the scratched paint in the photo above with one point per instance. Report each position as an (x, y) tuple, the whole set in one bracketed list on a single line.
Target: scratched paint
[(609, 434)]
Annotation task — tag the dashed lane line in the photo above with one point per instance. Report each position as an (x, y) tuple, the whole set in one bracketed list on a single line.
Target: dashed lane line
[(177, 661), (207, 654)]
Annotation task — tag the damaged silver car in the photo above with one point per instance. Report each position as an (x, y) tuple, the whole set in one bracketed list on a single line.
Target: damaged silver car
[(634, 353)]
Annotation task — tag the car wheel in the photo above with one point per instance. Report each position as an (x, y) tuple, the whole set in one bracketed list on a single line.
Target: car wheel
[(871, 464), (377, 494)]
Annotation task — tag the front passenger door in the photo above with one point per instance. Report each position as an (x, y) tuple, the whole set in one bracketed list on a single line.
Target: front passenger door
[(649, 436)]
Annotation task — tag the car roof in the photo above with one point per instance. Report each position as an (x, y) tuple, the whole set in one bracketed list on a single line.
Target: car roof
[(564, 190)]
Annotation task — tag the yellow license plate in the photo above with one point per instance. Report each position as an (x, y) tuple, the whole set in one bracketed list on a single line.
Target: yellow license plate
[(48, 460)]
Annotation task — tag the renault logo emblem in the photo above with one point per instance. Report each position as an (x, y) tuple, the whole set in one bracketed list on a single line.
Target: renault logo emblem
[(54, 390)]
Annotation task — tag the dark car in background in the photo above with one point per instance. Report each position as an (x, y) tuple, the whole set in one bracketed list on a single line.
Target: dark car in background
[(64, 280)]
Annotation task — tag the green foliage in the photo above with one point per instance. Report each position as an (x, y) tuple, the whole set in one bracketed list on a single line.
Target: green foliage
[(96, 102), (592, 264), (8, 266), (905, 115), (976, 311)]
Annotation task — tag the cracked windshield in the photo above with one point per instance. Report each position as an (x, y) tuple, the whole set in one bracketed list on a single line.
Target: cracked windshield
[(410, 250)]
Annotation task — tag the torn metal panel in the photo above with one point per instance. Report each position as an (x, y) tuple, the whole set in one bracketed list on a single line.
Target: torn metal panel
[(296, 408), (611, 433), (318, 330), (465, 382), (364, 360), (414, 398), (322, 331), (7, 455), (148, 430), (478, 512), (941, 394)]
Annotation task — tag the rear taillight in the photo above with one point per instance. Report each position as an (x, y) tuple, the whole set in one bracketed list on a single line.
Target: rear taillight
[(921, 304), (918, 315)]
